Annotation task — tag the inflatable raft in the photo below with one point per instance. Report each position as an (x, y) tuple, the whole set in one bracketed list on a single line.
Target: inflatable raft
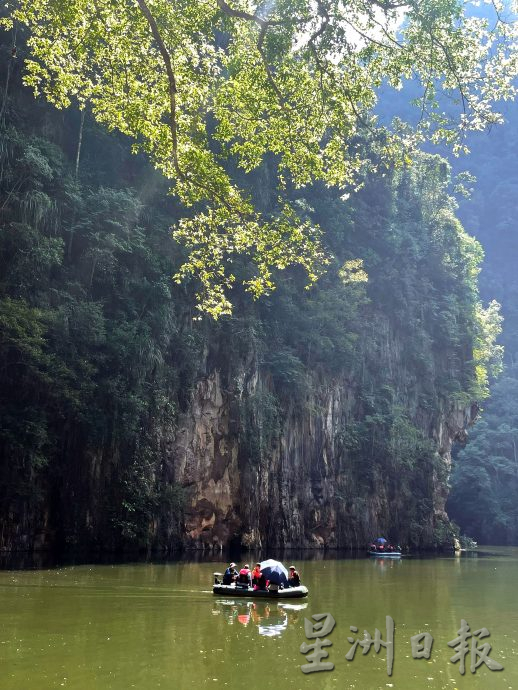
[(287, 593)]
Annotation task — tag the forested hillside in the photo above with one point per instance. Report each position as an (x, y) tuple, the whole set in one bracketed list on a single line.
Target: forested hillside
[(307, 418), (484, 498)]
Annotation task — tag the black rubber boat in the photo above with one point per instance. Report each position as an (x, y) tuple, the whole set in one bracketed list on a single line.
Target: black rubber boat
[(286, 593), (385, 554)]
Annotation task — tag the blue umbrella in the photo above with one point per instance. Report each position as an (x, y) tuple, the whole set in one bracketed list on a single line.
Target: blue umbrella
[(381, 540), (274, 571)]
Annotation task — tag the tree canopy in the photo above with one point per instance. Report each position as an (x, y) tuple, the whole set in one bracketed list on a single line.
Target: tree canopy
[(208, 87)]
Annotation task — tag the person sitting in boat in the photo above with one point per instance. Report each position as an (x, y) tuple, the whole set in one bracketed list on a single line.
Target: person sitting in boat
[(244, 579), (256, 574), (294, 578), (262, 582), (230, 574)]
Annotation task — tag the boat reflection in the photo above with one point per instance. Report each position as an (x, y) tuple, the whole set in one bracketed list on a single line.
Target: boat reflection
[(271, 619), (385, 564)]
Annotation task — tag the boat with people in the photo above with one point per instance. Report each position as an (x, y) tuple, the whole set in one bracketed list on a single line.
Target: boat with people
[(233, 591), (387, 554), (269, 580), (382, 548)]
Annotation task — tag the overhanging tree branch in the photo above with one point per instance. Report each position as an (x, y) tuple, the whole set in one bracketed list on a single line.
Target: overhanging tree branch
[(173, 125)]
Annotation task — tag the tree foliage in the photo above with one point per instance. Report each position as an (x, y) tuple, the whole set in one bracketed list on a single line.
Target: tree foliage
[(484, 492), (485, 477), (197, 82)]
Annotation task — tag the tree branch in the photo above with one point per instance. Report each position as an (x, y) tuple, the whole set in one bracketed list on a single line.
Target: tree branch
[(267, 68), (173, 125), (323, 12), (240, 14)]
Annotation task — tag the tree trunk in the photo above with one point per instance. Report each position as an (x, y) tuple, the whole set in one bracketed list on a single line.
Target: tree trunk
[(8, 75), (80, 141)]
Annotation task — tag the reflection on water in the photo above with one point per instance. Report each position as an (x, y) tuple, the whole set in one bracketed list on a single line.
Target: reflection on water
[(270, 618), (159, 626), (48, 559), (383, 565), (21, 560)]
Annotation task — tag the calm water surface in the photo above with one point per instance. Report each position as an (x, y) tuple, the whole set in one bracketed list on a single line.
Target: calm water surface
[(159, 626)]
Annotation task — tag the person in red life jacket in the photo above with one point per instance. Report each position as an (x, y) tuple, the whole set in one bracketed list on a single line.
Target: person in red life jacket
[(263, 582), (256, 574), (244, 579), (294, 578)]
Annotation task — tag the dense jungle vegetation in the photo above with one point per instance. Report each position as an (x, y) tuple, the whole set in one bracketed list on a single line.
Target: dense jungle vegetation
[(484, 497), (101, 350)]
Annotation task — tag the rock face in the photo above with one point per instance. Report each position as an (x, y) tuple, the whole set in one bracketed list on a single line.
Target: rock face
[(205, 462), (306, 487)]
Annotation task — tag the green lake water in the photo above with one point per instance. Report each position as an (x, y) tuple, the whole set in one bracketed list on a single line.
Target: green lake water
[(153, 626)]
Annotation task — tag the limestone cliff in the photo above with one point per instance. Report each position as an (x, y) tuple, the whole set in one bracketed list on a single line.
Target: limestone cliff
[(304, 489)]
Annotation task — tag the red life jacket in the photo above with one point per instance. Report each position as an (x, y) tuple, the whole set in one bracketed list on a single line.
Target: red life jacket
[(244, 576)]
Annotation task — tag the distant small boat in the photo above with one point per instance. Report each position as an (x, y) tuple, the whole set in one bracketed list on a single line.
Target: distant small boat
[(382, 548), (385, 554), (285, 593)]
